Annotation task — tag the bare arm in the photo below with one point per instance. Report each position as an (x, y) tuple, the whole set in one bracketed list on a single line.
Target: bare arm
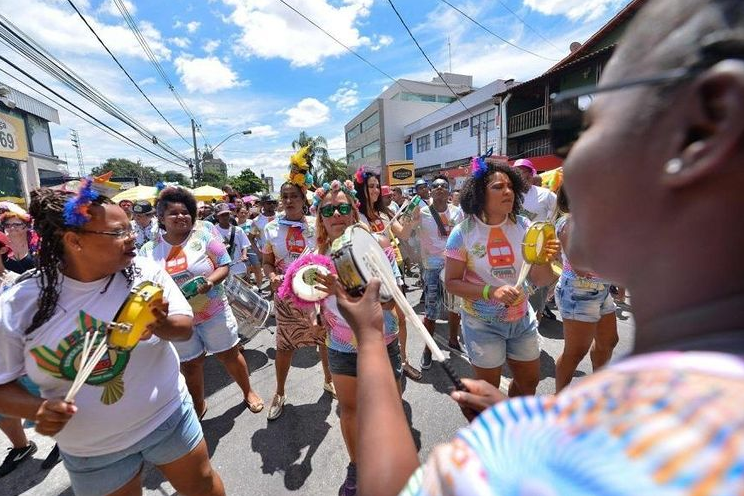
[(50, 416)]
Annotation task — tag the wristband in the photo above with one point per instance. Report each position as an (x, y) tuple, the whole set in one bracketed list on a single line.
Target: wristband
[(487, 292)]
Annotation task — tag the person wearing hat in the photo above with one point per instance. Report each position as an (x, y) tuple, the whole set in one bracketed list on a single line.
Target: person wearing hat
[(422, 189), (387, 199), (144, 224), (233, 237), (539, 205), (127, 206)]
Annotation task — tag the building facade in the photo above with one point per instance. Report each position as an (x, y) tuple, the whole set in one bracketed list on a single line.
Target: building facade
[(26, 153), (375, 136)]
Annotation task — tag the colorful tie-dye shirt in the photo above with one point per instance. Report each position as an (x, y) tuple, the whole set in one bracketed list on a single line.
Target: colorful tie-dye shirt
[(493, 255), (667, 423), (199, 255), (287, 240)]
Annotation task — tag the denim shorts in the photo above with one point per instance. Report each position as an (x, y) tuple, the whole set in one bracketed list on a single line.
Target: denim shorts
[(220, 333), (32, 388), (253, 260), (342, 363), (490, 344), (433, 298), (584, 300), (178, 436)]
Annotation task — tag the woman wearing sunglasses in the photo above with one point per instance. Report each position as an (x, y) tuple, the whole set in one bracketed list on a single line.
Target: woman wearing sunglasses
[(336, 206), (135, 406), (23, 241), (655, 185), (377, 217)]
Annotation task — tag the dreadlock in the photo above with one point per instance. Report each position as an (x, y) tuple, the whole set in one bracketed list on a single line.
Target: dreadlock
[(47, 208), (473, 193)]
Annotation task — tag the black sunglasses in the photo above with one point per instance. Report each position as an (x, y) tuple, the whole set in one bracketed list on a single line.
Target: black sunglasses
[(439, 184), (329, 210), (567, 109)]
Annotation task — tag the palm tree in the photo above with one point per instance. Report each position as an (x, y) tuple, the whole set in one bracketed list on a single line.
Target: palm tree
[(331, 169), (318, 147)]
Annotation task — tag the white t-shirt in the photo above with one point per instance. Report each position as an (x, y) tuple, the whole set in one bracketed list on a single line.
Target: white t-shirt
[(129, 395), (240, 242), (144, 234), (287, 240), (257, 229), (432, 244), (539, 204)]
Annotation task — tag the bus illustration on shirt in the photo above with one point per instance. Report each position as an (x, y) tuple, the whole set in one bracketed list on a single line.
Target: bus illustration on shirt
[(500, 254), (295, 242)]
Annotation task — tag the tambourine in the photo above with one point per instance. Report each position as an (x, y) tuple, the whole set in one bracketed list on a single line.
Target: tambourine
[(535, 239), (304, 283), (134, 316), (346, 253)]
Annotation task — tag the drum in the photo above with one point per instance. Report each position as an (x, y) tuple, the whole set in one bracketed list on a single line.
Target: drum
[(346, 253), (451, 302), (249, 308), (534, 242), (304, 283), (134, 316)]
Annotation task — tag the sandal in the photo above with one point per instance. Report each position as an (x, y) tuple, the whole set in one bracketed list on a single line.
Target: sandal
[(204, 412), (255, 407), (330, 388)]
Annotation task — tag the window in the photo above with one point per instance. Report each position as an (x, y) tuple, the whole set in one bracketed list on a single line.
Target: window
[(353, 132), (418, 97), (482, 122), (10, 179), (370, 121), (443, 137), (409, 151), (456, 126), (464, 123), (39, 139), (423, 143), (355, 155), (371, 149), (445, 99)]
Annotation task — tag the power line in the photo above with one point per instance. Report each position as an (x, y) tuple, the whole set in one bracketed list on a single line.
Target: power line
[(494, 34), (156, 64), (124, 70), (503, 4), (92, 121), (427, 58)]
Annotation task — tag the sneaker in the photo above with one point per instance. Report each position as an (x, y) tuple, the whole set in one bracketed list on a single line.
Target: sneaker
[(277, 406), (328, 387), (455, 346), (548, 313), (349, 487), (52, 458), (425, 360), (15, 457), (411, 372)]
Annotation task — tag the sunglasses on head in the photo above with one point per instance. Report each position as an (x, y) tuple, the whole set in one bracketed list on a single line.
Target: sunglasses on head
[(329, 210)]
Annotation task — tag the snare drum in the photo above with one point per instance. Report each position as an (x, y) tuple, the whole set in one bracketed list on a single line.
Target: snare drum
[(134, 316), (452, 303), (534, 242), (249, 307), (346, 253)]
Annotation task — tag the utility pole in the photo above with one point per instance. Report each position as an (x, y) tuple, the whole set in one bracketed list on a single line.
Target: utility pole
[(75, 139), (195, 165)]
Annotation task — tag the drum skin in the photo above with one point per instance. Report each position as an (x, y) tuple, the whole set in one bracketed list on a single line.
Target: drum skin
[(346, 253)]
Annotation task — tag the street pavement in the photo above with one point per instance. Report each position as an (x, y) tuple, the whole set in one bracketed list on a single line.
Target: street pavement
[(302, 452)]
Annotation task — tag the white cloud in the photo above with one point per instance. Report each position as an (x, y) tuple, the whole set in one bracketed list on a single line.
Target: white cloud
[(269, 29), (346, 97), (147, 80), (191, 27), (307, 113), (211, 45), (381, 41), (180, 41), (574, 9), (206, 75), (264, 131), (109, 7)]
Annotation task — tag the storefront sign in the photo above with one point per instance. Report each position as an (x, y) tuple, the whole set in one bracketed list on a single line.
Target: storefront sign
[(13, 143), (401, 174)]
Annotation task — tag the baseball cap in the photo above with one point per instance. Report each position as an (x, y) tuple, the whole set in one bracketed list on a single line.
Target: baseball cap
[(527, 164), (421, 182), (386, 190), (221, 208), (267, 197), (142, 207)]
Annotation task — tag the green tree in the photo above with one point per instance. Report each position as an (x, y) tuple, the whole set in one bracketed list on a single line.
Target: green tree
[(247, 182), (318, 147), (176, 177), (122, 167), (212, 178), (331, 169)]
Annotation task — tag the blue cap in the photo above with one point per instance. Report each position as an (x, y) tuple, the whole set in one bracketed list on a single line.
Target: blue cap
[(421, 182)]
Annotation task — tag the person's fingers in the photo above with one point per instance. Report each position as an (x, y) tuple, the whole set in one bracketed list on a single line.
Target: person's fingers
[(60, 406), (469, 400), (372, 291)]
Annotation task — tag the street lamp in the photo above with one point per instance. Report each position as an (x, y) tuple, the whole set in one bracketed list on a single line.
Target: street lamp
[(245, 133)]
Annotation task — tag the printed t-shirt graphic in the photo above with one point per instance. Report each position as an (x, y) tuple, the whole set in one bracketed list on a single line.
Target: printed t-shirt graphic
[(432, 244), (286, 240), (129, 393), (199, 255), (495, 263)]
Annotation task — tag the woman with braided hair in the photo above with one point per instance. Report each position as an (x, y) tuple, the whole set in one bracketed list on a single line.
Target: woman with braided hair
[(135, 406)]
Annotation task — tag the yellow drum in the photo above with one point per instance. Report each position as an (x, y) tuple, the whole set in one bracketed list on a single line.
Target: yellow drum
[(535, 239), (134, 316)]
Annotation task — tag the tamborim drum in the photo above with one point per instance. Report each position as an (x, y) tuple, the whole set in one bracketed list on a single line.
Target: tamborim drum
[(451, 302), (247, 305), (304, 284), (533, 247), (346, 253), (134, 316)]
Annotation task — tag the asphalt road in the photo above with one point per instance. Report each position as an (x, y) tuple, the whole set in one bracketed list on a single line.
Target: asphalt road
[(302, 452)]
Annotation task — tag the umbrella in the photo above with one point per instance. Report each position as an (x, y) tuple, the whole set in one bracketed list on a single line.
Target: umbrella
[(138, 193), (250, 199), (207, 193)]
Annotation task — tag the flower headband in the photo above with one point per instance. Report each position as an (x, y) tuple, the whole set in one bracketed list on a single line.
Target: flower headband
[(335, 185), (478, 166), (76, 208), (362, 175), (299, 169)]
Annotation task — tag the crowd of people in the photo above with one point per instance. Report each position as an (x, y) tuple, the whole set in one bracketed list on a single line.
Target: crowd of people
[(663, 421)]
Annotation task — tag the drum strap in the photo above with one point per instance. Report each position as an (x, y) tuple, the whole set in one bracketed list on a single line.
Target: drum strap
[(230, 245)]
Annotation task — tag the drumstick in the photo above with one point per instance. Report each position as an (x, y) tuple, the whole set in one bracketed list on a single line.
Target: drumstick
[(523, 272), (87, 364)]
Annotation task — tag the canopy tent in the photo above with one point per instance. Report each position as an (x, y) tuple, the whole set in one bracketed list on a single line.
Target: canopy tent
[(208, 193), (138, 193)]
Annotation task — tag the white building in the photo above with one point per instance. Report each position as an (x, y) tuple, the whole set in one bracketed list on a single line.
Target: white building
[(375, 136), (448, 137)]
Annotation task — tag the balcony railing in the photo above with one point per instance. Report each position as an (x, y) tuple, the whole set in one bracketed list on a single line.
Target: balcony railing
[(533, 148), (531, 119)]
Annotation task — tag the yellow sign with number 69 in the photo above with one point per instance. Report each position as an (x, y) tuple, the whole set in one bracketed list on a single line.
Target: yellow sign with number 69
[(13, 143)]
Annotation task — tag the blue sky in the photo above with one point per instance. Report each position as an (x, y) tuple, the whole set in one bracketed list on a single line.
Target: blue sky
[(256, 64)]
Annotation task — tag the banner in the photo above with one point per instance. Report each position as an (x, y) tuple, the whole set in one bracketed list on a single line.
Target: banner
[(401, 173), (13, 143)]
